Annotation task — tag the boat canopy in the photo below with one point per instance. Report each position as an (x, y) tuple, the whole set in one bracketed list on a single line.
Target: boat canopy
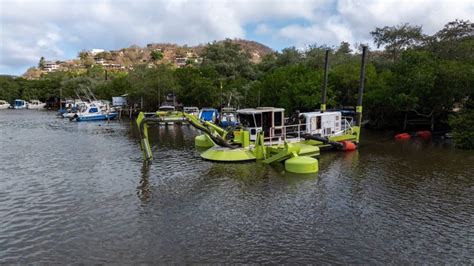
[(19, 102), (208, 114), (269, 120)]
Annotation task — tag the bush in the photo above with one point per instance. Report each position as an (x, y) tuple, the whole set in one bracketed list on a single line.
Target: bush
[(463, 127), (156, 55)]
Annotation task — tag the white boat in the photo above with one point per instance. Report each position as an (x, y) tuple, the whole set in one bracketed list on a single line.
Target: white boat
[(228, 117), (166, 108), (191, 110), (169, 109), (19, 104), (4, 105), (69, 106), (94, 111), (74, 108), (35, 104)]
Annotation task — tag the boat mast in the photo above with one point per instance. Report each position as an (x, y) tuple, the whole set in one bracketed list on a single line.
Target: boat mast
[(361, 88), (325, 84)]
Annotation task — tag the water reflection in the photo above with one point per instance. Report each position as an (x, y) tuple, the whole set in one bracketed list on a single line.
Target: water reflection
[(88, 198), (143, 189)]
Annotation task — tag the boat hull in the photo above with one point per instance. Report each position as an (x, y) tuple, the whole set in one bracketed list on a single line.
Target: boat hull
[(96, 117), (39, 106)]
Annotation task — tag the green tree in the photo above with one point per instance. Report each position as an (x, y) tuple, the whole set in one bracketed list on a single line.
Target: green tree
[(397, 38), (86, 59), (288, 56), (151, 84), (344, 48), (9, 88), (456, 30), (196, 88), (344, 79), (293, 87), (463, 126), (454, 41), (156, 55), (41, 63), (229, 60)]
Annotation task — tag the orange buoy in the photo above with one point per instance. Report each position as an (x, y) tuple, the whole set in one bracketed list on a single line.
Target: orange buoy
[(402, 136), (423, 134), (348, 145)]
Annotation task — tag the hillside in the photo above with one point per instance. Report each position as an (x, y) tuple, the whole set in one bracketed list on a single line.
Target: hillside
[(152, 53)]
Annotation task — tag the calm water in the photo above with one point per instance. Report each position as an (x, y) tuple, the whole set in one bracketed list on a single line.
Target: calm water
[(79, 193)]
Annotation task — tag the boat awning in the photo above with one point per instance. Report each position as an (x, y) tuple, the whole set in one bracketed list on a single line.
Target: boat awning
[(207, 115)]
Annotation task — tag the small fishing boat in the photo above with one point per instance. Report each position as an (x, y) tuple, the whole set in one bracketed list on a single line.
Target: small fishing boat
[(94, 112), (74, 108), (228, 117), (35, 104), (4, 105), (68, 106), (19, 104), (209, 115), (167, 110)]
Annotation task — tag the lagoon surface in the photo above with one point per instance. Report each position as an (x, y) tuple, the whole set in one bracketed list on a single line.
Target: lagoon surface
[(79, 193)]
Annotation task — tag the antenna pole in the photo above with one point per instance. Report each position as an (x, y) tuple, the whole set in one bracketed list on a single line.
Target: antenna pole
[(361, 88), (325, 84)]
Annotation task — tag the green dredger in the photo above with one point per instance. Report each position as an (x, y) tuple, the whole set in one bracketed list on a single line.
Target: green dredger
[(263, 135)]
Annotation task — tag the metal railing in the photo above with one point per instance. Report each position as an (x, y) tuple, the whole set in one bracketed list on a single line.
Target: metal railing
[(282, 137), (296, 132)]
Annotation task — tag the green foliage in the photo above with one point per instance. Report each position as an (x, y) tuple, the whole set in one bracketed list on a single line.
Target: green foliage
[(454, 41), (415, 74), (96, 72), (344, 48), (456, 30), (86, 59), (397, 38), (156, 55), (463, 127), (10, 88), (292, 87), (41, 63), (196, 88), (151, 84), (229, 60)]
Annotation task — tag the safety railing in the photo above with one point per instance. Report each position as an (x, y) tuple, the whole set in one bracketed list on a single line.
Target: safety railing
[(294, 130), (346, 125)]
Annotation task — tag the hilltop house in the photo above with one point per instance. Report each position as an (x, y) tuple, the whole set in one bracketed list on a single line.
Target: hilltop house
[(50, 66), (180, 61), (99, 60)]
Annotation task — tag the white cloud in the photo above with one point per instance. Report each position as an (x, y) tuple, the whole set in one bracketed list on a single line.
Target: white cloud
[(59, 29), (263, 29), (353, 21)]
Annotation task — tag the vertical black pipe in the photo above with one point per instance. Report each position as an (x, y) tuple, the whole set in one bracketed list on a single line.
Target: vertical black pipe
[(325, 84), (361, 88)]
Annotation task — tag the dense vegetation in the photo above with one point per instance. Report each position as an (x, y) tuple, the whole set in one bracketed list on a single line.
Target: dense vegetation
[(429, 75)]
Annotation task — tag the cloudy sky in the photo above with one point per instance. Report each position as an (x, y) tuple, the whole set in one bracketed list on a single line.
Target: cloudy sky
[(58, 29)]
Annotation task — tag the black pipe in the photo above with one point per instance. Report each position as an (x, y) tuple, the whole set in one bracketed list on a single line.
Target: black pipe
[(361, 88), (323, 140), (216, 138), (325, 84)]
